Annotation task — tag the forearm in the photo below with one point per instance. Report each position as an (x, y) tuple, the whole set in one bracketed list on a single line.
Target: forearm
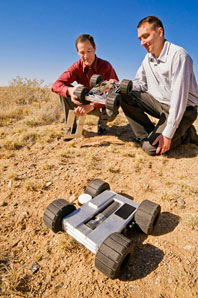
[(65, 81), (60, 88)]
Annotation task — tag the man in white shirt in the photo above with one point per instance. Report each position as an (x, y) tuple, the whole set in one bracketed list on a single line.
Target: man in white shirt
[(165, 88)]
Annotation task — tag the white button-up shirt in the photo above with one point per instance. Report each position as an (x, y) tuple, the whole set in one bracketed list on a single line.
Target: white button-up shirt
[(170, 80)]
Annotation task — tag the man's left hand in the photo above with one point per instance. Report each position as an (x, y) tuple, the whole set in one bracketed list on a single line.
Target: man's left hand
[(164, 144), (83, 110)]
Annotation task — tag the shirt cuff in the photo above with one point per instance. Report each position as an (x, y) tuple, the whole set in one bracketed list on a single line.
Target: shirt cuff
[(169, 132), (98, 106)]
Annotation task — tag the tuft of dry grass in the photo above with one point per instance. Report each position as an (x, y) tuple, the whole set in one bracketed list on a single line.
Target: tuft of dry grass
[(66, 242), (46, 114), (192, 221), (90, 160), (13, 281), (9, 113)]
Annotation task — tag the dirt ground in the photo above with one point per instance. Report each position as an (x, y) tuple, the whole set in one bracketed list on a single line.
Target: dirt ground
[(35, 262)]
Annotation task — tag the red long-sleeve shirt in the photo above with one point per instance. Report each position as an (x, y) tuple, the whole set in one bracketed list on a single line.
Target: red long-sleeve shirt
[(81, 74)]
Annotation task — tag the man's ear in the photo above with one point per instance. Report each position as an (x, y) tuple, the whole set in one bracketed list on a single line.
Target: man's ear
[(161, 31)]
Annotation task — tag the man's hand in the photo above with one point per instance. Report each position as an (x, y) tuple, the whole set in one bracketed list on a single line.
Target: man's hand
[(83, 110), (71, 91), (164, 144), (113, 81)]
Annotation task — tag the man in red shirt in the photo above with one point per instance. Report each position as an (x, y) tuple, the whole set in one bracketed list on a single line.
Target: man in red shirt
[(81, 72)]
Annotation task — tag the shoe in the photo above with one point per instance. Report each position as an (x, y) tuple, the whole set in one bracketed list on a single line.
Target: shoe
[(136, 140), (193, 135), (68, 133), (101, 131)]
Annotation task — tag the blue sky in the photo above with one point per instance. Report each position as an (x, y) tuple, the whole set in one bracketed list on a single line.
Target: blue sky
[(38, 37)]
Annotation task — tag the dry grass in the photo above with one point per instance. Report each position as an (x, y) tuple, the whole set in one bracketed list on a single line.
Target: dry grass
[(27, 100), (192, 221), (66, 242), (12, 280)]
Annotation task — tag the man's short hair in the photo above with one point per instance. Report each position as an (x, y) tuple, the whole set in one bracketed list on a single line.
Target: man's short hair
[(154, 21), (83, 38)]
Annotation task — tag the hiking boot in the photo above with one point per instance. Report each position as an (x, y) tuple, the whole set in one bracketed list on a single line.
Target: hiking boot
[(136, 140), (101, 130)]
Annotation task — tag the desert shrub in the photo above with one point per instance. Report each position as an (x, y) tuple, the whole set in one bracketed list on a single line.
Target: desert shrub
[(28, 99), (9, 112), (47, 114), (26, 91)]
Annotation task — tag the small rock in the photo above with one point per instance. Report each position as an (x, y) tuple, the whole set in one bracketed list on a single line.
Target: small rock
[(180, 201), (188, 247), (157, 282), (32, 165), (15, 204), (48, 184), (72, 198), (26, 214), (34, 267), (3, 204), (10, 184), (59, 286), (182, 207)]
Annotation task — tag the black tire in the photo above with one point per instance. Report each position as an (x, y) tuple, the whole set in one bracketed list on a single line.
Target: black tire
[(147, 215), (55, 212), (95, 187), (126, 87), (113, 101), (95, 80), (80, 92), (114, 255)]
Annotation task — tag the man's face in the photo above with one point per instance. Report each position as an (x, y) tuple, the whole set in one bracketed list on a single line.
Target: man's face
[(151, 39), (86, 52)]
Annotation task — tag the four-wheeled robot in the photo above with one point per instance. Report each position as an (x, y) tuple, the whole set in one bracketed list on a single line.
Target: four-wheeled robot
[(99, 223), (107, 93)]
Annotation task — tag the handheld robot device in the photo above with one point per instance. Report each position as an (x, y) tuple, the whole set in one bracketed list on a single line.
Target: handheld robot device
[(99, 223), (107, 93), (104, 92)]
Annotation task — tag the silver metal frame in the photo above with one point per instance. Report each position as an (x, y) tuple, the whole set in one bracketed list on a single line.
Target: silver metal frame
[(75, 224), (70, 123)]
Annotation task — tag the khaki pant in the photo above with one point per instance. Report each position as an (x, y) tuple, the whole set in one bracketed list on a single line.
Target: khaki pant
[(67, 105), (137, 105)]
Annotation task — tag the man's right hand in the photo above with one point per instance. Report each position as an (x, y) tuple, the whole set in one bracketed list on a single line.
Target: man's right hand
[(164, 144), (71, 91)]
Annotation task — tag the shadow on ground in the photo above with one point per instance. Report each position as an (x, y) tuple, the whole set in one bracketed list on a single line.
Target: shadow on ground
[(147, 257), (124, 133), (183, 151)]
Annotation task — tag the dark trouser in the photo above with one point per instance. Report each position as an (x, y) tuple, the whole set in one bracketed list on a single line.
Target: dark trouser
[(135, 107), (67, 105)]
